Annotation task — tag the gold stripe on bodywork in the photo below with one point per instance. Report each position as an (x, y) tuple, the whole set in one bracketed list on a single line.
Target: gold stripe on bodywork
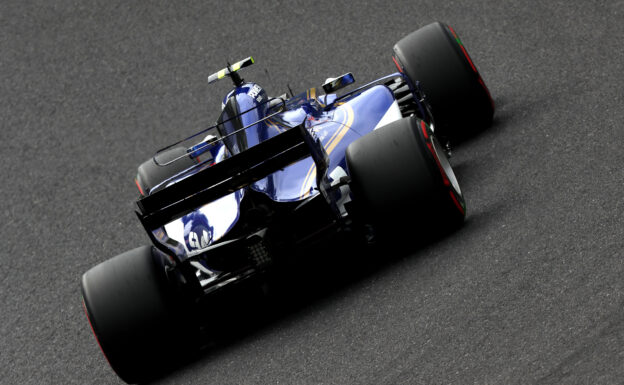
[(344, 119), (307, 182), (343, 131), (272, 124), (329, 147)]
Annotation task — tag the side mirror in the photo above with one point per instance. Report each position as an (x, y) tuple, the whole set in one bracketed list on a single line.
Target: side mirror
[(334, 84)]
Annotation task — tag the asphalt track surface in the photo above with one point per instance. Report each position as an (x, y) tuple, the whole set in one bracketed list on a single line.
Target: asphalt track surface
[(530, 290)]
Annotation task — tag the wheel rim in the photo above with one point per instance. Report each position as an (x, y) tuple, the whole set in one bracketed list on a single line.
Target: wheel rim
[(446, 171), (448, 175), (445, 166)]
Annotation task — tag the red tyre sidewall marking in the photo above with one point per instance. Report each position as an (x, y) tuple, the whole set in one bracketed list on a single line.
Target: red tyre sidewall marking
[(456, 201), (136, 181), (396, 63), (93, 331), (424, 129), (445, 178), (432, 151), (461, 45)]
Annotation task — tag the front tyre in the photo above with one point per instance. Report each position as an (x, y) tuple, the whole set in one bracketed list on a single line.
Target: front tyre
[(435, 57), (139, 319)]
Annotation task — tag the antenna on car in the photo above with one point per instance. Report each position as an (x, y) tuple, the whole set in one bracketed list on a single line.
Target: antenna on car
[(232, 71)]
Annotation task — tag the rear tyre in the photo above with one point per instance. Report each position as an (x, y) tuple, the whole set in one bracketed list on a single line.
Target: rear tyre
[(401, 177), (459, 100), (141, 322), (150, 174)]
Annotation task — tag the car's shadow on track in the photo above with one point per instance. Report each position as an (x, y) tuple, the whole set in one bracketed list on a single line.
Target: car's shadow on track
[(311, 278)]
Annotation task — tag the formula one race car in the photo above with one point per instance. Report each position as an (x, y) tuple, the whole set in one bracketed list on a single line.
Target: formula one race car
[(276, 175)]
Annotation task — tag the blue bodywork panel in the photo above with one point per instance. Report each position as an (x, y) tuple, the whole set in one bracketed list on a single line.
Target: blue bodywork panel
[(334, 122)]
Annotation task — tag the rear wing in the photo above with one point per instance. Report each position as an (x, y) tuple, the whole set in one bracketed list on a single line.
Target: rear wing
[(227, 176)]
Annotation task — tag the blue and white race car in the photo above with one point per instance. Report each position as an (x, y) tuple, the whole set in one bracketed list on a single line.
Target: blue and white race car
[(276, 175)]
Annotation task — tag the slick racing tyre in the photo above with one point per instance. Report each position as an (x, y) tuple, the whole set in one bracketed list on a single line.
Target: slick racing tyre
[(142, 324), (150, 174), (401, 177), (435, 57)]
